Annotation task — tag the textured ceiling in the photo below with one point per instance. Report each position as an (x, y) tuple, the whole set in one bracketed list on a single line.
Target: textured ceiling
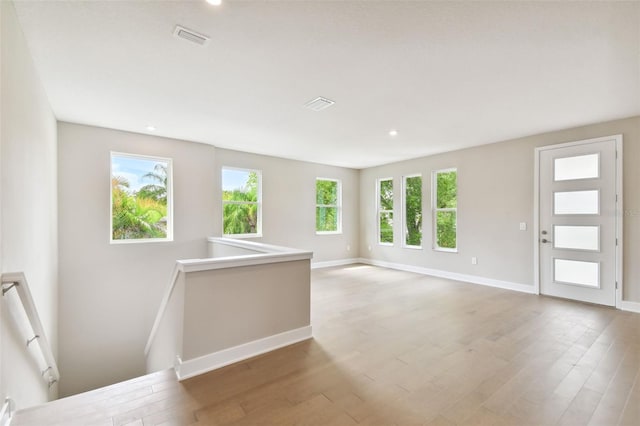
[(446, 75)]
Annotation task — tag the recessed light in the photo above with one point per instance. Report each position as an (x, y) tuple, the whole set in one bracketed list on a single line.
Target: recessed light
[(215, 2), (151, 128), (393, 132)]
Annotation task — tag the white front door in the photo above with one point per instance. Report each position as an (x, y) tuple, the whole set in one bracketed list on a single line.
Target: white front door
[(578, 219)]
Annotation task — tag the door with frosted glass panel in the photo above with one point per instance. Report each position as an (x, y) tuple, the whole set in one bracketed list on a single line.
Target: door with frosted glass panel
[(577, 229)]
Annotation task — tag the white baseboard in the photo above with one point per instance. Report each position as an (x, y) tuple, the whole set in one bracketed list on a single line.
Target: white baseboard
[(507, 285), (332, 263), (627, 305), (196, 366), (473, 279)]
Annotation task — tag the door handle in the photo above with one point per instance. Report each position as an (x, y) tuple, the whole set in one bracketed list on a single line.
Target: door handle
[(544, 240)]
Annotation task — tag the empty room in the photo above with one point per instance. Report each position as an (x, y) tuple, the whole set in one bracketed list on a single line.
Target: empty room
[(319, 212)]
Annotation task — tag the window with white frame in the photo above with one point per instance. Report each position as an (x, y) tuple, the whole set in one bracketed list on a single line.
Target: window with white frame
[(141, 198), (328, 206), (241, 202), (385, 211), (445, 209), (412, 186)]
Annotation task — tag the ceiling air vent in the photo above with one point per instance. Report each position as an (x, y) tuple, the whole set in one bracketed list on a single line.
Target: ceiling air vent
[(319, 103), (190, 35)]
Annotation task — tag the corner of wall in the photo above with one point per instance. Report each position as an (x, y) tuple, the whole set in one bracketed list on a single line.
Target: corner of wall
[(28, 203)]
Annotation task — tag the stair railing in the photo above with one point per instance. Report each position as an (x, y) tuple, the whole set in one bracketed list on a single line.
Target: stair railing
[(15, 291), (6, 413)]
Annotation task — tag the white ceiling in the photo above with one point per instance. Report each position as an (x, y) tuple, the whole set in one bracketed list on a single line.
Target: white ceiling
[(446, 75)]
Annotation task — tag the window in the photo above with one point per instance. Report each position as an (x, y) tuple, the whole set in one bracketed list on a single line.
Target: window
[(385, 211), (328, 206), (141, 199), (241, 202), (413, 211), (445, 209)]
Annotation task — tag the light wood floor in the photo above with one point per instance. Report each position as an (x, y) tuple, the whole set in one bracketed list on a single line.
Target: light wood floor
[(395, 348)]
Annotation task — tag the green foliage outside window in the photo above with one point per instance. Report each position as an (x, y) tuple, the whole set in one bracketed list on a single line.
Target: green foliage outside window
[(327, 205), (139, 213), (386, 227), (385, 211), (240, 200), (446, 209), (413, 210)]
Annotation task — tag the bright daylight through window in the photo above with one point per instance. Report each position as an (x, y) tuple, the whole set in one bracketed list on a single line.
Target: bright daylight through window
[(241, 202), (413, 211), (385, 211), (140, 198), (328, 206), (445, 209)]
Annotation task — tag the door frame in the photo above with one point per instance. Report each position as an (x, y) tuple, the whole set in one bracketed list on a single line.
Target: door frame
[(619, 212)]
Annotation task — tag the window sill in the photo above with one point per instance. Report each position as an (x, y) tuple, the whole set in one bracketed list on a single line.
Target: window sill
[(242, 235), (386, 244), (413, 247), (141, 241), (445, 250), (328, 232)]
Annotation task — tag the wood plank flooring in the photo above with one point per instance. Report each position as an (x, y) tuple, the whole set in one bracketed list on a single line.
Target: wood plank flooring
[(396, 348)]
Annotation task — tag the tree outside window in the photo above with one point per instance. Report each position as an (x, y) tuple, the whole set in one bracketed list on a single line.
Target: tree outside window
[(328, 206), (241, 202), (140, 198), (413, 210), (445, 209), (385, 211)]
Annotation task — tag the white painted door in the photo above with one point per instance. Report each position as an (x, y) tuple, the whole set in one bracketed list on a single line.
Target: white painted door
[(577, 228)]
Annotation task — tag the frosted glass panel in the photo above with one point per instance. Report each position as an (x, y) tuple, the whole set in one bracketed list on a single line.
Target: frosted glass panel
[(580, 167), (576, 202), (576, 272), (576, 237)]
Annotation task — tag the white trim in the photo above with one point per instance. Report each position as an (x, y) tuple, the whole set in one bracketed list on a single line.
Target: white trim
[(243, 236), (536, 220), (447, 250), (435, 210), (403, 211), (626, 305), (619, 303), (473, 279), (333, 263), (250, 245), (196, 265), (196, 366), (169, 161), (337, 206), (265, 253), (379, 211), (258, 233), (619, 228)]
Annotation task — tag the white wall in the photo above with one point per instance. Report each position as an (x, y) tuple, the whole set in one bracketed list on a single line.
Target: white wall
[(495, 194), (110, 294), (28, 205), (233, 306), (3, 390), (289, 209)]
